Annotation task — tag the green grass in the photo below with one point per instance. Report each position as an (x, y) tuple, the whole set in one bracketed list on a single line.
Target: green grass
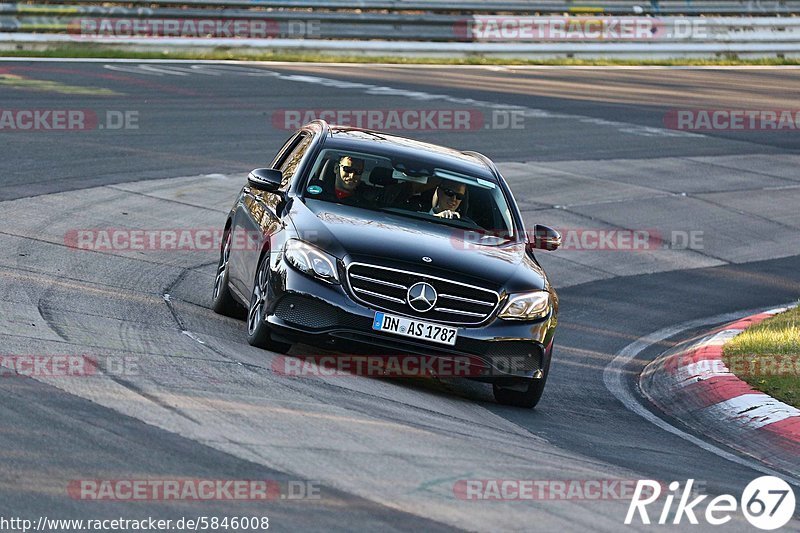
[(104, 51), (767, 356)]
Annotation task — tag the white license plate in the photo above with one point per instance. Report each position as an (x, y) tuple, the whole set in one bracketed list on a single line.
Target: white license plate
[(410, 327)]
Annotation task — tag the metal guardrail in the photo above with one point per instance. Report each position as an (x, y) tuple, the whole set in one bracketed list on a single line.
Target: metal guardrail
[(469, 7), (620, 50), (393, 27), (98, 21)]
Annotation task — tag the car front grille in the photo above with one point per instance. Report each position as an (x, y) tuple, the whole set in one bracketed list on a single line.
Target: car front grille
[(387, 289)]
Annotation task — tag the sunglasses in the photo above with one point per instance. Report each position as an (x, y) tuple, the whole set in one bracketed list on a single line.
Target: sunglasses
[(352, 170), (453, 194)]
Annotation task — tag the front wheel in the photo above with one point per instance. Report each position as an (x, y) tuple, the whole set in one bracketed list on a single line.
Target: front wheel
[(524, 398), (257, 329), (222, 301), (529, 396)]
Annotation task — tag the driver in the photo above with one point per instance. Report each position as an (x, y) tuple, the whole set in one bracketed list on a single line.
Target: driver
[(447, 199), (346, 185), (348, 177)]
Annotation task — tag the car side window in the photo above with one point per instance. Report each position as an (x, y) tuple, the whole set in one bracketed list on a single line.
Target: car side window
[(287, 147), (289, 164)]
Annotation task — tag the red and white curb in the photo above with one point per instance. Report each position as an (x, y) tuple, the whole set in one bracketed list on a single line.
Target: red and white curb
[(691, 383)]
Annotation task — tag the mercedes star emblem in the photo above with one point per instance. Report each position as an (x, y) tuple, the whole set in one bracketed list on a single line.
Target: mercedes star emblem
[(422, 297)]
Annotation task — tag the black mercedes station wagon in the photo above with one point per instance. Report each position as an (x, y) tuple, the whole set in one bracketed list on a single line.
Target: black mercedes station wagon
[(362, 242)]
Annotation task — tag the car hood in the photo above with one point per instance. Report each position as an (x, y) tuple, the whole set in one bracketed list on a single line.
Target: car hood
[(358, 235)]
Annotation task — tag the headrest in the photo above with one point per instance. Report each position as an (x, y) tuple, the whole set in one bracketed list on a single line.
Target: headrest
[(381, 176)]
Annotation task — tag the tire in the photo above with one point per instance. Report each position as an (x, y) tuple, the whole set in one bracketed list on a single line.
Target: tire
[(526, 398), (222, 301), (258, 333)]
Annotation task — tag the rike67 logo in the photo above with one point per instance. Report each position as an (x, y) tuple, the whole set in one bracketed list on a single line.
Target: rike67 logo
[(767, 502)]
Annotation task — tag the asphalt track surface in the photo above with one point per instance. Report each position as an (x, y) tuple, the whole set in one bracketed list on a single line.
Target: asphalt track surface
[(386, 454)]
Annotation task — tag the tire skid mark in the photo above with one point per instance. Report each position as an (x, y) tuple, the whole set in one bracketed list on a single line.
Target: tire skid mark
[(155, 399), (49, 317)]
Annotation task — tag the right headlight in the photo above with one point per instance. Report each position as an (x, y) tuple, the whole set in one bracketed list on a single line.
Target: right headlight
[(526, 306), (311, 261)]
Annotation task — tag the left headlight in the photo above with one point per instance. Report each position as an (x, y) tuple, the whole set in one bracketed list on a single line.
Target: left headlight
[(311, 260), (526, 306)]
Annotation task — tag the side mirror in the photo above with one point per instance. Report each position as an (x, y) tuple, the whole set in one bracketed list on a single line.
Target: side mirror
[(265, 179), (544, 238)]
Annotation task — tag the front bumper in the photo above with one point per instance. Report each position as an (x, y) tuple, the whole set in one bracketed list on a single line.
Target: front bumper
[(305, 310)]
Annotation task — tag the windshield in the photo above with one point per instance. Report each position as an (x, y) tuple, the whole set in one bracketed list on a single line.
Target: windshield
[(408, 188)]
